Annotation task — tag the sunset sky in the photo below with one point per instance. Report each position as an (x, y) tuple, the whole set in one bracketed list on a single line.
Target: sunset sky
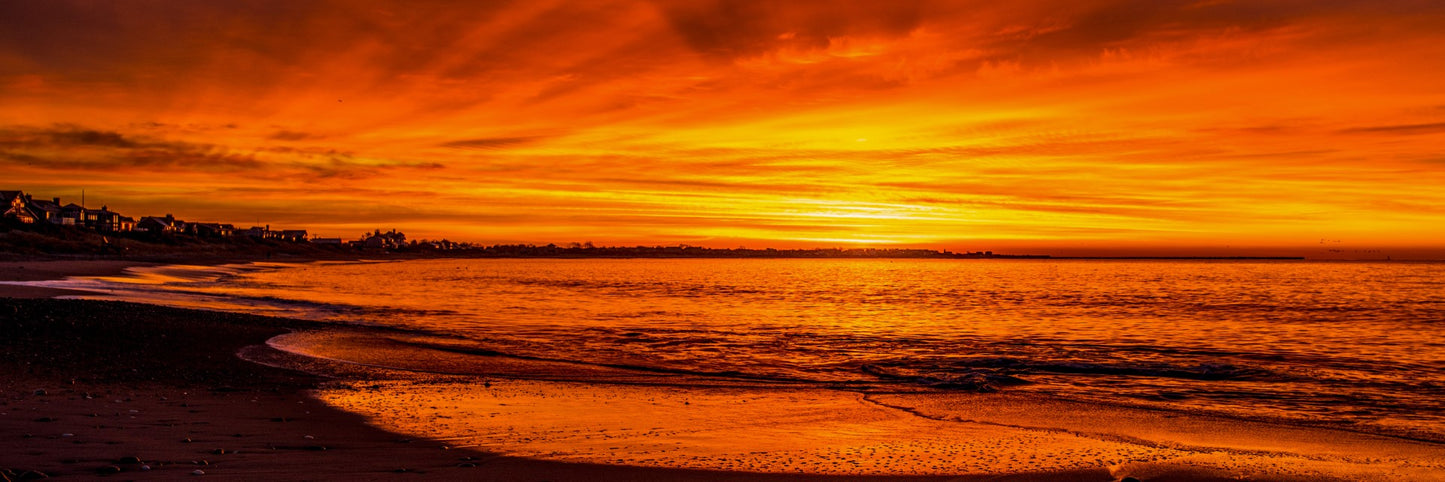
[(1078, 127)]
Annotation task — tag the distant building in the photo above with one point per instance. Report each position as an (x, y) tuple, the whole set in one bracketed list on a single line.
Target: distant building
[(107, 221), (213, 230), (327, 241), (72, 215), (388, 240), (167, 224), (45, 211), (260, 232), (17, 206), (14, 205)]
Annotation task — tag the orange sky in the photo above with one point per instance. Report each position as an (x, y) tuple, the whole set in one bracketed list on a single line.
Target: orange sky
[(1145, 126)]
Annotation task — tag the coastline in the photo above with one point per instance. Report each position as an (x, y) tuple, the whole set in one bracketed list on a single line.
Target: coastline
[(187, 383), (97, 382)]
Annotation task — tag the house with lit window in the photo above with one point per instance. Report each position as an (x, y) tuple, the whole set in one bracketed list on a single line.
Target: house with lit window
[(15, 208), (45, 211), (155, 224)]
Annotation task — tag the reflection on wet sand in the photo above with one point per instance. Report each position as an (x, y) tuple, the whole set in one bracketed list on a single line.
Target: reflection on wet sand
[(569, 412)]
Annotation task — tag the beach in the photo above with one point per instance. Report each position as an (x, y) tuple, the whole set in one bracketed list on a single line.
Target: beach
[(108, 387)]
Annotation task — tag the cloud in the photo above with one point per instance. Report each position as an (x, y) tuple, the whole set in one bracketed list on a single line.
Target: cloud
[(490, 143), (76, 148), (740, 28), (287, 135), (1403, 129), (65, 136), (86, 137)]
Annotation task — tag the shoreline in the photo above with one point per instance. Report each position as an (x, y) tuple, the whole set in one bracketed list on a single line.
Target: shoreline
[(257, 415), (56, 269), (161, 387)]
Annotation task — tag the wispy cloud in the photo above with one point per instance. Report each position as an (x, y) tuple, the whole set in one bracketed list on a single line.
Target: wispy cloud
[(1403, 129), (490, 143)]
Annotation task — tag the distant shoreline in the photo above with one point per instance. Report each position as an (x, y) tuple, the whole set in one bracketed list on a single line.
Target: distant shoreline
[(1190, 258), (26, 243)]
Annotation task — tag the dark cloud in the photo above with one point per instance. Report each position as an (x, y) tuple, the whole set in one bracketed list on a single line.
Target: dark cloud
[(489, 143), (69, 147), (286, 135), (1404, 129), (1074, 29), (735, 28), (311, 152), (65, 136), (86, 137), (20, 158), (152, 43), (78, 148)]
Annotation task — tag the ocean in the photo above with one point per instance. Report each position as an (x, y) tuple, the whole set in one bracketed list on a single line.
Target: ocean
[(1356, 345)]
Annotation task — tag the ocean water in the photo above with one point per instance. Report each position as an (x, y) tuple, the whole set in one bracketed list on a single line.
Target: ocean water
[(1355, 345)]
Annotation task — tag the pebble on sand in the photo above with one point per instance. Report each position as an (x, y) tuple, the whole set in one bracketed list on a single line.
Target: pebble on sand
[(198, 472)]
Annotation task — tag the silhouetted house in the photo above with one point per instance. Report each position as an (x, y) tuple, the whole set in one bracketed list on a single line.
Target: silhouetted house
[(378, 239), (258, 232), (152, 224), (72, 215), (167, 224), (14, 205), (180, 226), (213, 230), (329, 241), (45, 211), (294, 235), (107, 221)]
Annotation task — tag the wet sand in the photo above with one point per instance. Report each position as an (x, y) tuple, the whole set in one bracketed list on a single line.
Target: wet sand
[(54, 270), (594, 414)]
